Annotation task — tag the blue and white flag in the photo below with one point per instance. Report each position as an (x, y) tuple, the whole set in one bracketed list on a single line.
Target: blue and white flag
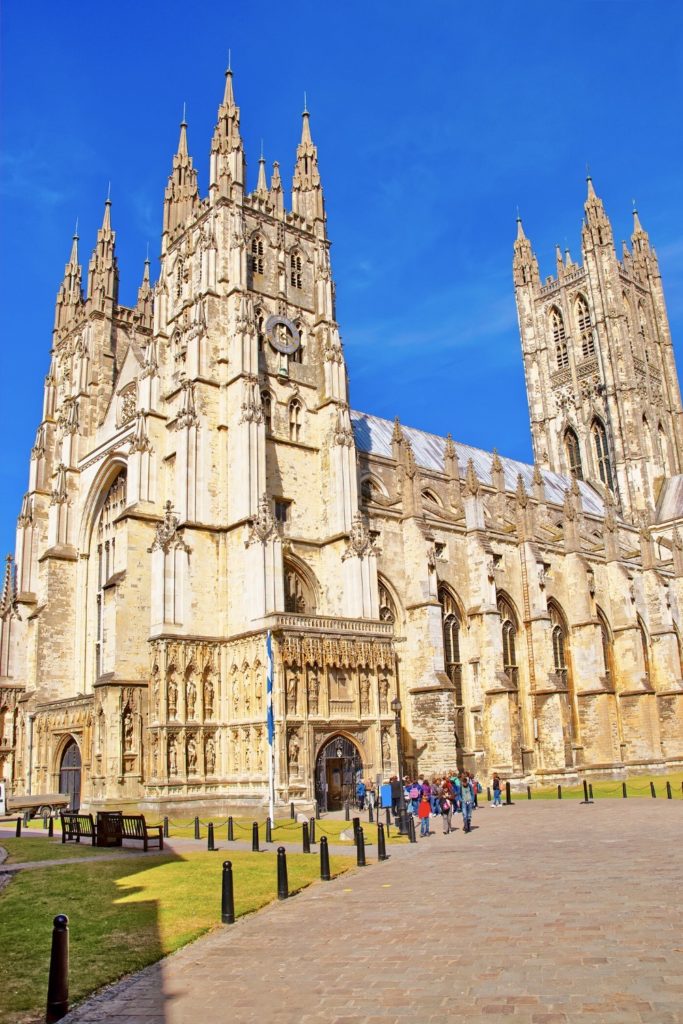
[(269, 689)]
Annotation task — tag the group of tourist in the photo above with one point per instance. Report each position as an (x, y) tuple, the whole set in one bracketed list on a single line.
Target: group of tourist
[(439, 796)]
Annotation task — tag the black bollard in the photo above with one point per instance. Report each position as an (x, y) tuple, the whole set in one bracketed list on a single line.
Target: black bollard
[(282, 885), (388, 816), (292, 812), (508, 799), (231, 830), (347, 811), (209, 839), (17, 831), (317, 809), (58, 983), (305, 839), (27, 819), (269, 830), (50, 827), (356, 826), (311, 830), (528, 792), (166, 826), (227, 895), (360, 849), (45, 821), (668, 790), (590, 791), (381, 845), (653, 791), (559, 792), (623, 790), (254, 838), (585, 793), (488, 793), (371, 816), (196, 829), (324, 860), (411, 829)]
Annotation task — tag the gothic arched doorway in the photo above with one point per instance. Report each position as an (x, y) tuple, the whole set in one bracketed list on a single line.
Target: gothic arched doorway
[(70, 774), (337, 768)]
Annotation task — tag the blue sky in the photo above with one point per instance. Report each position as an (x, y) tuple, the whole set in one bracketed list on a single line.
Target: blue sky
[(433, 123)]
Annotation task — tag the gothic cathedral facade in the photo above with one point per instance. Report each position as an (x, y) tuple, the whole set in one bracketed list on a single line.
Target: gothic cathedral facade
[(199, 479)]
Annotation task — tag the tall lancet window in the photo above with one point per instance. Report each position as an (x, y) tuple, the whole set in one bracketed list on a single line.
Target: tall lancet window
[(256, 255), (559, 338), (602, 453), (295, 269), (450, 623), (294, 420), (107, 563), (571, 444), (583, 322)]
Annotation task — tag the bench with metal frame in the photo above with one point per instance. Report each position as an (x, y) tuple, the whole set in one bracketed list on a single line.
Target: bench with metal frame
[(78, 826), (134, 826)]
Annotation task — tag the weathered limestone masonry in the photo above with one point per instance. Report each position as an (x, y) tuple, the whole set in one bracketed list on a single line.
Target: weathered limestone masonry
[(199, 479)]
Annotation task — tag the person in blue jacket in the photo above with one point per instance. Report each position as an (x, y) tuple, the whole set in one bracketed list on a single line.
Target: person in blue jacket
[(360, 793), (466, 801)]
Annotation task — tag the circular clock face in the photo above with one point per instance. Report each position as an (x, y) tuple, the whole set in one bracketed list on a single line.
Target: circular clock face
[(282, 335)]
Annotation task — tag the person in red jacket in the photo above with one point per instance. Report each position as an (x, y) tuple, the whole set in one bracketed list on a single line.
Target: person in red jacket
[(423, 812)]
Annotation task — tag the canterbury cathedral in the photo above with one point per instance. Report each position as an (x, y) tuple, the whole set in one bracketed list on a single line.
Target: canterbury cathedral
[(200, 479)]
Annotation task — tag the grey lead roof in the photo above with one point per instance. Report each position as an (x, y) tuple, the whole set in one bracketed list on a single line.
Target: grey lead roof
[(373, 435), (670, 504)]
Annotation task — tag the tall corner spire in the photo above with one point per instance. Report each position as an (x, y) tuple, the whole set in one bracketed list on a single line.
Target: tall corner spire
[(597, 228), (103, 271), (520, 228), (524, 262), (181, 197), (182, 140), (307, 193), (262, 184), (227, 164)]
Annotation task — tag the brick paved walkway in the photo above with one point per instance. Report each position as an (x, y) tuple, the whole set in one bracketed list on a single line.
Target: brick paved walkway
[(545, 913)]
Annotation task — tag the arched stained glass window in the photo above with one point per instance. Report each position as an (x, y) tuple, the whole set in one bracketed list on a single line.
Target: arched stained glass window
[(602, 453), (559, 639), (450, 621), (571, 444), (508, 625), (583, 322), (559, 338)]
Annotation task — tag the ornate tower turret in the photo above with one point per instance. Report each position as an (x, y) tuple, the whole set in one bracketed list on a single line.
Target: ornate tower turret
[(228, 168), (70, 295), (103, 271), (307, 192), (181, 198)]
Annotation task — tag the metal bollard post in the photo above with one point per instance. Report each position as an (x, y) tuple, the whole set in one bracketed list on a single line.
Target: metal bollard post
[(381, 845), (356, 826), (269, 830), (653, 791), (27, 819), (45, 821), (559, 792), (17, 832), (508, 799), (165, 826), (585, 793), (411, 829), (50, 827), (209, 839), (528, 792), (488, 793), (231, 829), (311, 830), (590, 791), (282, 884), (196, 829), (623, 790), (317, 810), (292, 812), (360, 849), (668, 790), (305, 839), (371, 816), (347, 811), (227, 895), (324, 860), (388, 816), (58, 983), (254, 838)]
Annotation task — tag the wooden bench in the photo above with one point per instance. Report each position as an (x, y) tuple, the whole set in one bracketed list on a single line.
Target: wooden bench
[(77, 826), (134, 826)]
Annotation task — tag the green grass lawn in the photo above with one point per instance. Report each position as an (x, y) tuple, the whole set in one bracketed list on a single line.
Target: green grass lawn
[(123, 914), (284, 829), (37, 848), (636, 786)]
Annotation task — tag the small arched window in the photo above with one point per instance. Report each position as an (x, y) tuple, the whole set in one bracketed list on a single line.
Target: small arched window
[(298, 356), (450, 622), (583, 322), (256, 255), (607, 650), (508, 624), (645, 647), (295, 269), (559, 338), (267, 406), (602, 453), (295, 420), (430, 496), (571, 444), (559, 640), (298, 597), (387, 608)]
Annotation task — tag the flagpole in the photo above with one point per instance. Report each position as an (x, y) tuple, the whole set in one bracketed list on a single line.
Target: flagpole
[(270, 720)]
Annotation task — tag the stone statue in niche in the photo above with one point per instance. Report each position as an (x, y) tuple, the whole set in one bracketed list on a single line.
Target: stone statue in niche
[(191, 755), (127, 731), (172, 692), (209, 695), (259, 751), (383, 695), (247, 697), (235, 694), (210, 756), (386, 748), (247, 753), (313, 691), (364, 693), (154, 759), (155, 692), (190, 698), (293, 753), (172, 757), (234, 751), (292, 681)]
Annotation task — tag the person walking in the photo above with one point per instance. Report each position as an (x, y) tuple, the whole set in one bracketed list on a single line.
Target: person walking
[(495, 785), (360, 793), (423, 812), (466, 802), (370, 794), (447, 807), (395, 784)]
